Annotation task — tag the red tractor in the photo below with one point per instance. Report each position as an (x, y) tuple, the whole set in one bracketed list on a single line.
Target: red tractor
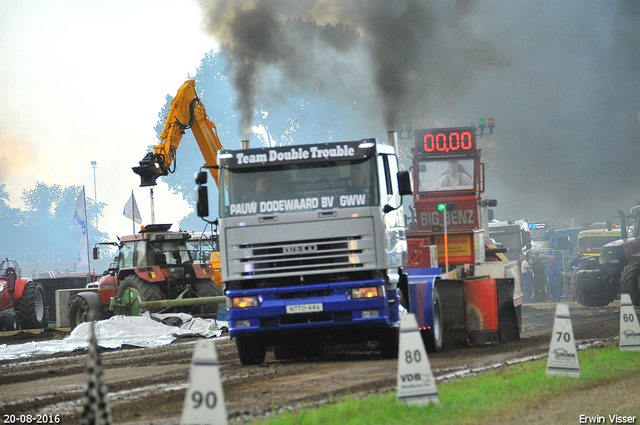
[(22, 300), (155, 270), (598, 280)]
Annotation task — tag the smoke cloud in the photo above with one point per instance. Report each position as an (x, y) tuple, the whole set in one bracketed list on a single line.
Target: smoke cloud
[(14, 156), (562, 80)]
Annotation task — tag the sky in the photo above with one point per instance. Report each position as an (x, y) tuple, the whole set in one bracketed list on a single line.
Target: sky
[(84, 81), (561, 78)]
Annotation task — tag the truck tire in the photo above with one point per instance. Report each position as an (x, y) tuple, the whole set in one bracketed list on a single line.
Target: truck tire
[(599, 298), (389, 340), (433, 338), (630, 281), (144, 291), (85, 307), (207, 288), (30, 307), (251, 350)]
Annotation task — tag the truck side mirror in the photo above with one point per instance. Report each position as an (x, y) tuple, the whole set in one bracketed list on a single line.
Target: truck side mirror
[(609, 225), (404, 183), (202, 201), (201, 178), (96, 253), (202, 195), (526, 238)]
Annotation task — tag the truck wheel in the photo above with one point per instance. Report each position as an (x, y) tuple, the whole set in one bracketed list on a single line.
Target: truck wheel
[(630, 281), (599, 298), (133, 291), (207, 288), (30, 306), (389, 343), (85, 307), (251, 350), (433, 338)]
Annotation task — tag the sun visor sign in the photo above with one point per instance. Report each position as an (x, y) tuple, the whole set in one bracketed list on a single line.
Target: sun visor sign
[(282, 155), (446, 141)]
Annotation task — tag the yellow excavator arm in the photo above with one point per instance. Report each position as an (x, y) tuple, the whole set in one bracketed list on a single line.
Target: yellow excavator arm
[(187, 112)]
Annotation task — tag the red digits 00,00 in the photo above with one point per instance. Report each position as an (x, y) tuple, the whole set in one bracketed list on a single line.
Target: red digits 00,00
[(441, 143)]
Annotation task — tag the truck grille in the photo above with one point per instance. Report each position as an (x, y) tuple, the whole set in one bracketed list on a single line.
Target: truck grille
[(304, 256), (298, 249)]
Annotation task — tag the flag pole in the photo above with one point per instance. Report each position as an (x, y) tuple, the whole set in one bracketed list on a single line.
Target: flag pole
[(153, 212), (133, 215), (87, 233)]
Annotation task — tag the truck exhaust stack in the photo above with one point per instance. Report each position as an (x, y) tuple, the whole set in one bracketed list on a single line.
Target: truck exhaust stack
[(392, 137)]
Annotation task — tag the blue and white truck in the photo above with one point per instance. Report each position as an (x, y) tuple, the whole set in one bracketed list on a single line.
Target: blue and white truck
[(313, 246)]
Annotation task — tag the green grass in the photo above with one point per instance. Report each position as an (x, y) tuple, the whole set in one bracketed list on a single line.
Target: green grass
[(476, 400)]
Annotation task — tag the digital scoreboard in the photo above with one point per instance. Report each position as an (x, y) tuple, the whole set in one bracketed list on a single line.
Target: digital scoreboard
[(446, 141)]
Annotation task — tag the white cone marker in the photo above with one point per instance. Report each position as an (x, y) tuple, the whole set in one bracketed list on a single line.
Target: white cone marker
[(563, 357), (629, 326), (416, 383), (204, 401)]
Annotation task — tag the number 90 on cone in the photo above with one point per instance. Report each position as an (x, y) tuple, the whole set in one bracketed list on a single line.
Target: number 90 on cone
[(204, 400)]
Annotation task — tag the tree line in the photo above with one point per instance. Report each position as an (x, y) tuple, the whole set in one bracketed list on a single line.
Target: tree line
[(45, 224)]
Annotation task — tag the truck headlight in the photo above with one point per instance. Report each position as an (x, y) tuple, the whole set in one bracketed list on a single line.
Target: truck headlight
[(243, 302), (368, 292)]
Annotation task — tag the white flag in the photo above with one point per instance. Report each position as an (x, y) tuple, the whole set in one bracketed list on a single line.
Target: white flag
[(131, 210), (79, 217)]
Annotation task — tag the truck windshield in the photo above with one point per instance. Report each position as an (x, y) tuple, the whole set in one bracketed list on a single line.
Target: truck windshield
[(593, 244), (445, 175), (298, 187)]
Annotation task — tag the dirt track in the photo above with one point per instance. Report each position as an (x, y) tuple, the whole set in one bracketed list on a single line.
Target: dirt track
[(148, 385)]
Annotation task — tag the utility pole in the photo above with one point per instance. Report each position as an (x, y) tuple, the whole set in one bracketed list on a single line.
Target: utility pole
[(95, 192)]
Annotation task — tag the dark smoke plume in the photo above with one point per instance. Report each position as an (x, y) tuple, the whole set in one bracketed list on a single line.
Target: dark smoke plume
[(562, 80), (394, 42)]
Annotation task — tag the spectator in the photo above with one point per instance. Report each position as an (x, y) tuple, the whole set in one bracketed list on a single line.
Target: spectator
[(576, 259), (527, 278), (554, 278), (539, 279)]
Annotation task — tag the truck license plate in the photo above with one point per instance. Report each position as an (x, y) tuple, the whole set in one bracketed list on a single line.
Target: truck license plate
[(304, 308)]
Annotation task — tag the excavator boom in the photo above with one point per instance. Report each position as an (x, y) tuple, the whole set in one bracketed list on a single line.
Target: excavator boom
[(187, 112)]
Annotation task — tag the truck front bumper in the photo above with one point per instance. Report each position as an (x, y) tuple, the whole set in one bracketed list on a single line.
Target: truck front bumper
[(319, 308)]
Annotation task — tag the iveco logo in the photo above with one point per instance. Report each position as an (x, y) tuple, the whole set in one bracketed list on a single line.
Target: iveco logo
[(300, 249)]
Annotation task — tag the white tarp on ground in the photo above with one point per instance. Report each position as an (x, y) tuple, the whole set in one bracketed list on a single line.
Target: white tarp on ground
[(140, 331)]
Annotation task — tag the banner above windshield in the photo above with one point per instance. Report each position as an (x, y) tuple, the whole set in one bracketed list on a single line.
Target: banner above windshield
[(298, 154), (297, 186)]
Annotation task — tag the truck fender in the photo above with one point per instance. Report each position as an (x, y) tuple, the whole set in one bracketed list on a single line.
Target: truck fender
[(420, 293), (424, 302)]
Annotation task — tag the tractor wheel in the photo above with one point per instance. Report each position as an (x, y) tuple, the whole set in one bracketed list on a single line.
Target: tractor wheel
[(133, 291), (10, 322), (251, 350), (433, 338), (30, 307), (630, 281), (601, 297), (85, 307), (207, 288)]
